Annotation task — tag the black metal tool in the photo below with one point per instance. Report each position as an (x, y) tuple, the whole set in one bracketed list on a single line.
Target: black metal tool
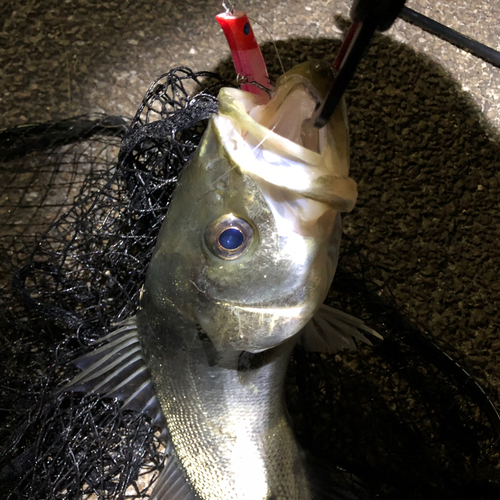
[(367, 17)]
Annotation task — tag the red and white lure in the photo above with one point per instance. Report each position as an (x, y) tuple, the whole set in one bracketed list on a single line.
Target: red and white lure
[(245, 51)]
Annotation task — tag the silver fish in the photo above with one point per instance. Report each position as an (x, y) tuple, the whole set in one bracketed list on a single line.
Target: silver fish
[(242, 265)]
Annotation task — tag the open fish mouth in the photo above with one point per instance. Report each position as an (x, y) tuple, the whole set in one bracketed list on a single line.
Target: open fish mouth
[(303, 172)]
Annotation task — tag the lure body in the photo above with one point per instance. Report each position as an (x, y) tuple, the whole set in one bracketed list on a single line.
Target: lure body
[(245, 51)]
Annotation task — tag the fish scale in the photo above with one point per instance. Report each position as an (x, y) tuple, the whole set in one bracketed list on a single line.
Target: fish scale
[(205, 419), (228, 427)]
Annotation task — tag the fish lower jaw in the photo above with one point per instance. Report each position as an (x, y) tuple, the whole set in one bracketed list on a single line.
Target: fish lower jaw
[(254, 329)]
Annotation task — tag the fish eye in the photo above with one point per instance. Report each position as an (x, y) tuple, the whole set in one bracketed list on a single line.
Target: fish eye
[(228, 236), (231, 238)]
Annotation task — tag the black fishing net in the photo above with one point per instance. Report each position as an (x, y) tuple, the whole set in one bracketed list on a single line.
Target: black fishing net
[(85, 273), (403, 415)]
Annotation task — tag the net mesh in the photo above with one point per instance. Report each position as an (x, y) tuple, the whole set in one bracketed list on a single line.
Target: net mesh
[(402, 415)]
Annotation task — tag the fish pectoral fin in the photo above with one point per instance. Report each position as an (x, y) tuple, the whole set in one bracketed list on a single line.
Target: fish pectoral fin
[(172, 483), (118, 370), (331, 330)]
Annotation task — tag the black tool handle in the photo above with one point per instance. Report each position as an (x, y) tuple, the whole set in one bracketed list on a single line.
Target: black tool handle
[(368, 16), (381, 12)]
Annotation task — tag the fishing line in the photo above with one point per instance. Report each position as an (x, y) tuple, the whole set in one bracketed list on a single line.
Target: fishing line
[(253, 151), (228, 6), (269, 33)]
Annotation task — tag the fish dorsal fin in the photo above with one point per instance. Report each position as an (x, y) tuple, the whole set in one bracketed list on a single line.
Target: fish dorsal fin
[(118, 370), (331, 330), (172, 483)]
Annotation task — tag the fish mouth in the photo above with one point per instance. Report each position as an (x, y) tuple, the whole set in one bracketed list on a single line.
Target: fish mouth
[(316, 163), (302, 172)]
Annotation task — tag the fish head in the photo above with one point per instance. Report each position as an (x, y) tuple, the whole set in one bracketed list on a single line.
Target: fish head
[(250, 243)]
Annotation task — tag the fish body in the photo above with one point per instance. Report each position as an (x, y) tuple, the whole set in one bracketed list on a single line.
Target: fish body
[(242, 265), (227, 421)]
